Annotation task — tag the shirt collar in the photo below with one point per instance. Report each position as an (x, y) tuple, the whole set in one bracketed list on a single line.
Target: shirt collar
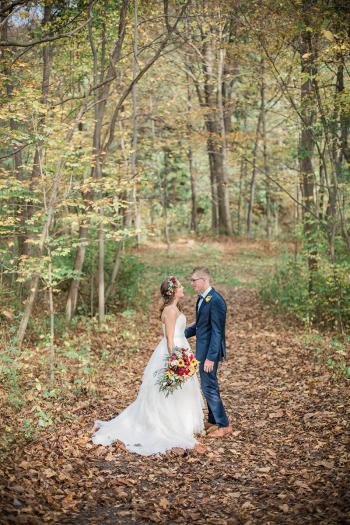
[(204, 294)]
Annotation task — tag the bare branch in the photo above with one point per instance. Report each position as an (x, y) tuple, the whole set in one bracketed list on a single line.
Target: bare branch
[(127, 91)]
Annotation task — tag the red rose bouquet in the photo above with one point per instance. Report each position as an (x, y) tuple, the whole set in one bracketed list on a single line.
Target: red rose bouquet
[(180, 366)]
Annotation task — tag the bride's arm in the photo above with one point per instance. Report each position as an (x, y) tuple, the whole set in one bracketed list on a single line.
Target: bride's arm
[(170, 317)]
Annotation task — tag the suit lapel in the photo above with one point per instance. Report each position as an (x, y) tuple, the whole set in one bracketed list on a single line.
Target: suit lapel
[(200, 308), (203, 303), (198, 299)]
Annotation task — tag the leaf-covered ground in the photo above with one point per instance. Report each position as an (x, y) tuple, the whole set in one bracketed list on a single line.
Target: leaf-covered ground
[(287, 460)]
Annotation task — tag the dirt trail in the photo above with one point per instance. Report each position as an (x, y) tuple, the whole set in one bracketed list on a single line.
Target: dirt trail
[(286, 461)]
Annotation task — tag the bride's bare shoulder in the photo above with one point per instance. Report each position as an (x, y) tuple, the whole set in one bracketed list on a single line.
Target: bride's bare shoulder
[(170, 313)]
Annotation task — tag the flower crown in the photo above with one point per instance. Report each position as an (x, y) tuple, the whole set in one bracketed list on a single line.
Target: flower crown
[(170, 284)]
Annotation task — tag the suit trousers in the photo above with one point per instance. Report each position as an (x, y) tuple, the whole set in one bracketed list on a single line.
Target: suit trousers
[(211, 391)]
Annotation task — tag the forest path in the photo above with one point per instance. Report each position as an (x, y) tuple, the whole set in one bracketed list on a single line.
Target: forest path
[(285, 462)]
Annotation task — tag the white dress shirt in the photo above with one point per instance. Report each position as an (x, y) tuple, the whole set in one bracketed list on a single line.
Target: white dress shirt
[(203, 296)]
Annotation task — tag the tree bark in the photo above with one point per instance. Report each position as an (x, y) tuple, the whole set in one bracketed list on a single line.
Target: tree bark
[(242, 178), (116, 268), (190, 158), (253, 177), (306, 145), (165, 197), (135, 196), (265, 158), (72, 299), (225, 220)]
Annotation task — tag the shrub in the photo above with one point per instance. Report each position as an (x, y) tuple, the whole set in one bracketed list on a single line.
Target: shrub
[(130, 289), (327, 305)]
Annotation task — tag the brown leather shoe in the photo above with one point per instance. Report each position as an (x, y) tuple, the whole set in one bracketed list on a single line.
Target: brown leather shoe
[(221, 432), (209, 426)]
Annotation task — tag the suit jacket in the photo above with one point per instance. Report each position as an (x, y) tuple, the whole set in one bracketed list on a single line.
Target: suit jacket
[(209, 328)]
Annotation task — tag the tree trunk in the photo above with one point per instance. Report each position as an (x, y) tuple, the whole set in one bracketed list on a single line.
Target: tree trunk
[(100, 96), (165, 197), (242, 177), (134, 193), (17, 155), (190, 159), (45, 231), (210, 106), (225, 220), (306, 146), (72, 299), (340, 151), (101, 271), (194, 225), (213, 184), (265, 159), (45, 86), (52, 322), (100, 151), (253, 178), (116, 268)]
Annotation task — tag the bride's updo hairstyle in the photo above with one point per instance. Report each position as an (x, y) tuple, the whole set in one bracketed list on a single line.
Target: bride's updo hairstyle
[(167, 291)]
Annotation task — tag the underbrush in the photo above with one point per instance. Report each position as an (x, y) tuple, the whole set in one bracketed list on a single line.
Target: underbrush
[(332, 351), (41, 386), (325, 307), (38, 393)]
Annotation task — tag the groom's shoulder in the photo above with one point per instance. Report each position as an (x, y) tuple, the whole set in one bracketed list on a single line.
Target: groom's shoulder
[(217, 296)]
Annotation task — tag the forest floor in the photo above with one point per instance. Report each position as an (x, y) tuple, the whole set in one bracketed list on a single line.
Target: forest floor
[(287, 461)]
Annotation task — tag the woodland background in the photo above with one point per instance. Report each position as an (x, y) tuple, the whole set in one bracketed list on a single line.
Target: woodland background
[(139, 138)]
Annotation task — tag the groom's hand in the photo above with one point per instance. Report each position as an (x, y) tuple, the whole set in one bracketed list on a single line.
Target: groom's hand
[(208, 366)]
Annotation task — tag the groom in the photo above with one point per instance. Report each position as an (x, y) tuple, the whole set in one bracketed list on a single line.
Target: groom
[(209, 330)]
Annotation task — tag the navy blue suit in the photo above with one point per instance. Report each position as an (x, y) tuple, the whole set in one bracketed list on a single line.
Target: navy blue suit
[(209, 330)]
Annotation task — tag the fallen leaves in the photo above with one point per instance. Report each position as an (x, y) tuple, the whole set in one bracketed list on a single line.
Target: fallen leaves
[(286, 460), (277, 414)]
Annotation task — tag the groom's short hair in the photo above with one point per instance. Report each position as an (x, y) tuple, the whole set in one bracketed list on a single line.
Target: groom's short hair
[(203, 270)]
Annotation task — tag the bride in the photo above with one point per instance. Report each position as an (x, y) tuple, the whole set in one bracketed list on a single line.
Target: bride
[(153, 423)]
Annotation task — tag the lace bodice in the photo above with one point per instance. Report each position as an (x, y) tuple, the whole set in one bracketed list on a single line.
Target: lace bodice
[(180, 326)]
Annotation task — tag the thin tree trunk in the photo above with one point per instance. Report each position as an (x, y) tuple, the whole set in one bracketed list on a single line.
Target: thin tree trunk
[(242, 177), (72, 299), (92, 294), (52, 321), (194, 223), (299, 208), (210, 104), (306, 149), (134, 193), (265, 160), (190, 159), (253, 177), (101, 96), (116, 268), (101, 270), (165, 198), (17, 155), (213, 183), (101, 153), (44, 99), (44, 233), (321, 193), (225, 220)]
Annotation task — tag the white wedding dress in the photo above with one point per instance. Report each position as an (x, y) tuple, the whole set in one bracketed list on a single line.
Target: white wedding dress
[(153, 423)]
